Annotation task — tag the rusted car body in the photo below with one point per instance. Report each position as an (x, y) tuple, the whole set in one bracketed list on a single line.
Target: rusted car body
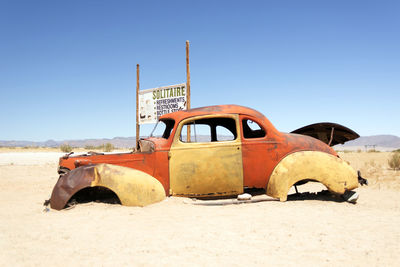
[(230, 149)]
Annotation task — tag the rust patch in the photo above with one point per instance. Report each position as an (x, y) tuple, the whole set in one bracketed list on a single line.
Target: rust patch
[(69, 184)]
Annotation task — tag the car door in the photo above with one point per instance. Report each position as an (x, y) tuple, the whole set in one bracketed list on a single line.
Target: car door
[(209, 163), (258, 152)]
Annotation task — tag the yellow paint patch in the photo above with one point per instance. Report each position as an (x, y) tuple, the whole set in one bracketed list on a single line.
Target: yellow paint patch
[(133, 187), (202, 171), (207, 168), (333, 172)]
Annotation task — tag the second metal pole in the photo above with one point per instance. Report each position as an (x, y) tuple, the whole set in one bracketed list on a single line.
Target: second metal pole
[(187, 86)]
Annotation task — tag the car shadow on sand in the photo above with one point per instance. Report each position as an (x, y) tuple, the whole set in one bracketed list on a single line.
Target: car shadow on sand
[(103, 195), (323, 195)]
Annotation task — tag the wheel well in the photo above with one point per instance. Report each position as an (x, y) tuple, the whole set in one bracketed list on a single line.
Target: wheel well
[(335, 174), (304, 181), (96, 193)]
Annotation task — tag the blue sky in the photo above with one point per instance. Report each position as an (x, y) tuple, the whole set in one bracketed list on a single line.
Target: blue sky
[(68, 68)]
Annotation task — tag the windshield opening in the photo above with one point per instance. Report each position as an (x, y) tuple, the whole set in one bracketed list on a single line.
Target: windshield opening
[(163, 128)]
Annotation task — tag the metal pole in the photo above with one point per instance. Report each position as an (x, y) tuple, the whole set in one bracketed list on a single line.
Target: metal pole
[(137, 106), (187, 85)]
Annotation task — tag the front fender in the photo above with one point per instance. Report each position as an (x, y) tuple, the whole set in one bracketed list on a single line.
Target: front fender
[(133, 187), (336, 174)]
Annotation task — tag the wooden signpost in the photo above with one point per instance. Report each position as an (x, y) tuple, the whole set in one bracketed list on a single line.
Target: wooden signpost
[(179, 93), (137, 106), (188, 85)]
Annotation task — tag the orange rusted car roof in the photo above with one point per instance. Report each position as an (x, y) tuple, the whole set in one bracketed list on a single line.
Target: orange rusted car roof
[(219, 109)]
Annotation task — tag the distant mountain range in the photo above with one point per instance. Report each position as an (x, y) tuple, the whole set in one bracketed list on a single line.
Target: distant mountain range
[(120, 142), (378, 142), (382, 142)]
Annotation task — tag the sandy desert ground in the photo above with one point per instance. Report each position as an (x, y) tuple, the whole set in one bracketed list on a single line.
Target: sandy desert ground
[(175, 232)]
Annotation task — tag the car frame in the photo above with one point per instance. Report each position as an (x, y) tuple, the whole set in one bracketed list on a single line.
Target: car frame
[(241, 151)]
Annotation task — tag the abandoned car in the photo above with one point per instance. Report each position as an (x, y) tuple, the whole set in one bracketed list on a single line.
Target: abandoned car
[(215, 151)]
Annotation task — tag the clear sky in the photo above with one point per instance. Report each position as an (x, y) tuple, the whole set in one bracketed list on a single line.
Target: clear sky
[(68, 68)]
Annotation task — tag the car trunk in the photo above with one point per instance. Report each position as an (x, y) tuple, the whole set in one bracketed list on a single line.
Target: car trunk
[(328, 132)]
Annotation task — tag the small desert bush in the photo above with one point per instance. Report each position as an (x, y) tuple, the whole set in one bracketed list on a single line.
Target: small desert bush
[(394, 161), (108, 147), (65, 148), (89, 147)]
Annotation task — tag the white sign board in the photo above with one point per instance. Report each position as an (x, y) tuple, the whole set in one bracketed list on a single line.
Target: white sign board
[(159, 101)]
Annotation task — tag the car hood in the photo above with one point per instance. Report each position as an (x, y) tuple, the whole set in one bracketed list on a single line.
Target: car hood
[(325, 131)]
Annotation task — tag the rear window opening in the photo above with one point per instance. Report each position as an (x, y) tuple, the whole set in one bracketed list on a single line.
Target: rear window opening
[(252, 129)]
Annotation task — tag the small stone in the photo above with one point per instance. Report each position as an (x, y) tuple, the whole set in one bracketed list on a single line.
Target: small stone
[(244, 196)]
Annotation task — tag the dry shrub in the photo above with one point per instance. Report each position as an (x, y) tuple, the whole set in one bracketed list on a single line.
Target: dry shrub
[(394, 161), (65, 148), (108, 147)]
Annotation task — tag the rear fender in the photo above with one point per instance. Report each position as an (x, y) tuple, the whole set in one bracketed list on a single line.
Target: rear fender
[(336, 174), (133, 187)]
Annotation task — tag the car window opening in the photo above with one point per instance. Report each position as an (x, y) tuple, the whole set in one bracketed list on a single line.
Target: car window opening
[(210, 130), (252, 129), (163, 128)]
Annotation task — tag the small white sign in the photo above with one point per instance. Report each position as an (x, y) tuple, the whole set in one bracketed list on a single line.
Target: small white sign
[(159, 101)]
